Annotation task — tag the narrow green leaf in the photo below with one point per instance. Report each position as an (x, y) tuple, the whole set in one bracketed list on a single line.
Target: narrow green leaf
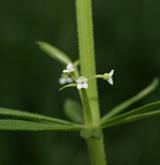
[(132, 118), (30, 116), (21, 125), (121, 107), (68, 86), (54, 53), (135, 114), (146, 108), (73, 111)]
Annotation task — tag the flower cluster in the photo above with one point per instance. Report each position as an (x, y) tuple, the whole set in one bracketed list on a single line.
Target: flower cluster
[(66, 78), (81, 82)]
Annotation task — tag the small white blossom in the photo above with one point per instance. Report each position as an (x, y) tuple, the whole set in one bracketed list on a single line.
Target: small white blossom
[(69, 68), (62, 81), (65, 80), (110, 79), (82, 82)]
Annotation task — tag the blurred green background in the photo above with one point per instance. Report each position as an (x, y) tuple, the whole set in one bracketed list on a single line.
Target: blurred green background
[(127, 36)]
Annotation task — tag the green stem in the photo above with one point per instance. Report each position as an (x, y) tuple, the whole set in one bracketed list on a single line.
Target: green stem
[(87, 109), (96, 151), (86, 48), (88, 69)]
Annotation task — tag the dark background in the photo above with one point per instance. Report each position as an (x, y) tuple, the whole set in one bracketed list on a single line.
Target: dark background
[(127, 36)]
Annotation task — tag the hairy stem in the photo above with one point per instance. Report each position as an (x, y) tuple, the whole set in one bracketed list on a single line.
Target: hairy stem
[(88, 69), (86, 48)]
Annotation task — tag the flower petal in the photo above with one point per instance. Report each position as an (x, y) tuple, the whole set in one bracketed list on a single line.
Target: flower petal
[(85, 85), (69, 80), (79, 86), (62, 81), (65, 71), (110, 81), (111, 73), (70, 67)]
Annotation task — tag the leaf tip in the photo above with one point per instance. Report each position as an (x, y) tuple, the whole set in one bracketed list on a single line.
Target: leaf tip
[(156, 81), (40, 43)]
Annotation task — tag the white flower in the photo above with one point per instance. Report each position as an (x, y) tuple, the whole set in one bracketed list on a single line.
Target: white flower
[(109, 77), (65, 80), (69, 68), (82, 82)]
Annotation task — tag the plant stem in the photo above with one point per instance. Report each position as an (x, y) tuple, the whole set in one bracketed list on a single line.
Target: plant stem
[(86, 49), (88, 69), (87, 109), (96, 151)]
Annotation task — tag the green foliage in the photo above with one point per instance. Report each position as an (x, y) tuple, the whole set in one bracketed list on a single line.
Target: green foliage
[(12, 113), (146, 111), (73, 111), (91, 131), (54, 53), (21, 125), (124, 105), (19, 120)]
